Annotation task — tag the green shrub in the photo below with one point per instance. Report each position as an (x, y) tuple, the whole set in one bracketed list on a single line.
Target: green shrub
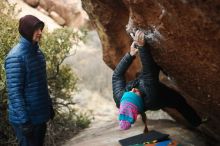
[(62, 84), (62, 81), (8, 37)]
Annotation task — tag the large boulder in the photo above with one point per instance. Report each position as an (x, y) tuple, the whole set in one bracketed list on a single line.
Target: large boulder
[(33, 3), (71, 11), (65, 12), (184, 37)]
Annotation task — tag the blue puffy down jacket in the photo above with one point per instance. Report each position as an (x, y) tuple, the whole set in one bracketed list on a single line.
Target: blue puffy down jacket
[(29, 100)]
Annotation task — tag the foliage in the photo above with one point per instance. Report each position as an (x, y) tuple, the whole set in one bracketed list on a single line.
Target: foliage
[(62, 83), (61, 79), (57, 47), (8, 36), (65, 126)]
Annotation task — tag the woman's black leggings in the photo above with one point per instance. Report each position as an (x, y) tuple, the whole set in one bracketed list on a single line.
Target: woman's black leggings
[(172, 99)]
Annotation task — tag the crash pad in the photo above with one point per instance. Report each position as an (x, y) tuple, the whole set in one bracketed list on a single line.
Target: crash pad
[(151, 136), (162, 143)]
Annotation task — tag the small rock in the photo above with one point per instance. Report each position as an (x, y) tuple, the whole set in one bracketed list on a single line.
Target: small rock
[(39, 8), (57, 18)]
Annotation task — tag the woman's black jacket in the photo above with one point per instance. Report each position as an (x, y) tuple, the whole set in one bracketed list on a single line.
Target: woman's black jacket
[(147, 82)]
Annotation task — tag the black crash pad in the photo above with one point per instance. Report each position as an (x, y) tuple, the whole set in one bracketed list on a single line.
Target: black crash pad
[(141, 138)]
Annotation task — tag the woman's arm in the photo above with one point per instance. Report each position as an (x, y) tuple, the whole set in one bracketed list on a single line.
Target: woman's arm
[(118, 80), (149, 67)]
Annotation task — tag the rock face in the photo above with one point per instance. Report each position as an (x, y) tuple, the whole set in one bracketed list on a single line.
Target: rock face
[(65, 12), (184, 37), (33, 3)]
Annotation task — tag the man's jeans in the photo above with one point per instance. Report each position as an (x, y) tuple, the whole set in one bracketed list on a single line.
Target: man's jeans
[(37, 137)]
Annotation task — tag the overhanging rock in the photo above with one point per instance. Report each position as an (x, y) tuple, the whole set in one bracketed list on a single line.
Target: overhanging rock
[(185, 40)]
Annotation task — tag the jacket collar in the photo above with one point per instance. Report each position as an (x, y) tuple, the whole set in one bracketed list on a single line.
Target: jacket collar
[(28, 44)]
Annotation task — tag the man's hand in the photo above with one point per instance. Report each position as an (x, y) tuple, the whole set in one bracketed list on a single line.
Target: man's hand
[(27, 129)]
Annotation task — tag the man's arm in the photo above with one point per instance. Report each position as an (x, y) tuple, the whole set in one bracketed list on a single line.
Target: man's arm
[(118, 81), (15, 76)]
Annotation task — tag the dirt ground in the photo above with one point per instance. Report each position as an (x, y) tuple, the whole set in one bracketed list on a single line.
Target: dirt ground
[(107, 133)]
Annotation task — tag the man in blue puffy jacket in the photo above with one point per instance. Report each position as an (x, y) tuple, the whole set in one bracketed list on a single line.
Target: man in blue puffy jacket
[(30, 105)]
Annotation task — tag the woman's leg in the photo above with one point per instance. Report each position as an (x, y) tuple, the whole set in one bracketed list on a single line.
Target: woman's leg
[(171, 98)]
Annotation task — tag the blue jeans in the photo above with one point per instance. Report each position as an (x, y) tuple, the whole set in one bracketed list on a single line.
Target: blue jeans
[(37, 137)]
